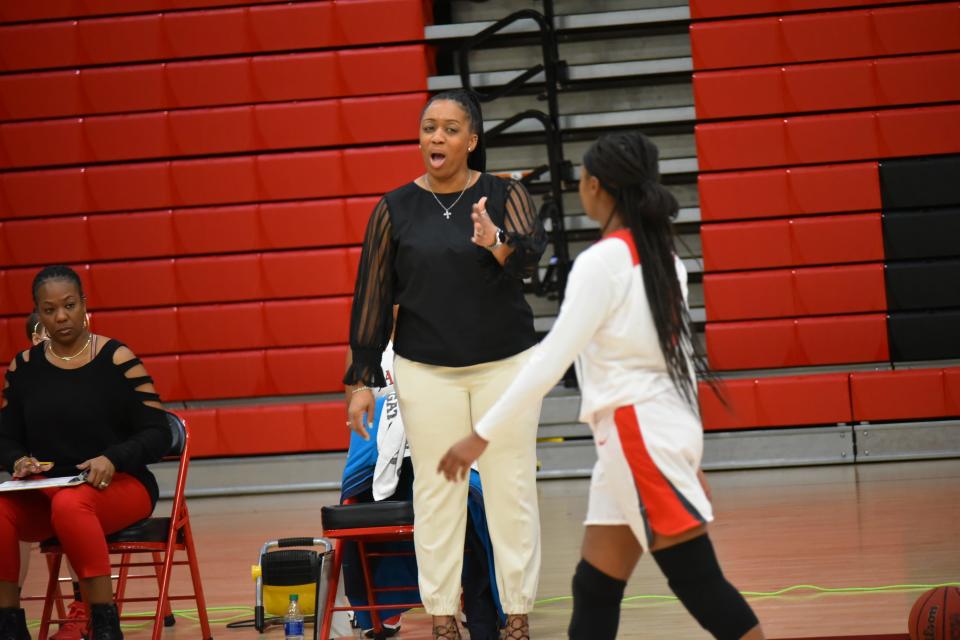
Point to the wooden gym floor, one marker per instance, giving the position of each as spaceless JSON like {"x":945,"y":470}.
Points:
{"x":868,"y":526}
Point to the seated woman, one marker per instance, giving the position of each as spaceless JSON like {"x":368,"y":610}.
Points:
{"x":83,"y":402}
{"x":77,"y":614}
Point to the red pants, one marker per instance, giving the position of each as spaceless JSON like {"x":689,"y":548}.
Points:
{"x":80,"y":517}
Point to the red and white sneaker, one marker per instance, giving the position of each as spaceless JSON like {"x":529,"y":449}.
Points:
{"x":77,"y":626}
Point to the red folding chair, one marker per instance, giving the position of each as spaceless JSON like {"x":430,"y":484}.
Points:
{"x":161,"y":538}
{"x":363,"y":524}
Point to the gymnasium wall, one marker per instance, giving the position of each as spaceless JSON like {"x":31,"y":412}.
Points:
{"x":828,"y":140}
{"x":208,"y":167}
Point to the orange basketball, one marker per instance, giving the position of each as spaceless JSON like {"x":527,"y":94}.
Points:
{"x":936,"y":615}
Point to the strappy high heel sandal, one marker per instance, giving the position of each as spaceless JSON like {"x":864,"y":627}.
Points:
{"x":518,"y":627}
{"x":446,"y":630}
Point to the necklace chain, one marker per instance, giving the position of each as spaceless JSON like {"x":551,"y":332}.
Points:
{"x":446,"y":210}
{"x":69,"y":358}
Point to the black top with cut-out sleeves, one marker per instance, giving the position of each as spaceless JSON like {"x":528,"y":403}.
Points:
{"x":458,"y":305}
{"x":67,"y":416}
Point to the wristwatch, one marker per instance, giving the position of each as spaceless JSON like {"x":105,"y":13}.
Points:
{"x":501,"y":239}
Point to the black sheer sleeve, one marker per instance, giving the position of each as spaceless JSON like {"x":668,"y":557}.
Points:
{"x":524,"y":231}
{"x":13,"y":436}
{"x":371,"y":320}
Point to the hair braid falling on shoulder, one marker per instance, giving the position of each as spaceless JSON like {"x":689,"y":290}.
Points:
{"x":626,"y":164}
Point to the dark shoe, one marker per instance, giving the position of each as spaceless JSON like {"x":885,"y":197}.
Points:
{"x":518,"y":627}
{"x":389,"y":630}
{"x":13,"y":624}
{"x":105,"y":622}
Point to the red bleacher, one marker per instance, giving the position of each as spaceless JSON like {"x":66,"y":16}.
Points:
{"x":704,"y":9}
{"x":179,"y":183}
{"x":820,"y":399}
{"x":868,"y":83}
{"x":214,"y":82}
{"x":206,"y":33}
{"x":906,"y":394}
{"x":773,"y":193}
{"x":232,"y":275}
{"x":777,"y":401}
{"x":797,"y":342}
{"x":194,"y":132}
{"x":181,"y":232}
{"x":217,"y":327}
{"x":811,"y":240}
{"x":208,"y":167}
{"x":787,"y":293}
{"x":267,"y":429}
{"x":829,"y":35}
{"x":222,"y":327}
{"x":55,"y":9}
{"x":828,"y":138}
{"x":199,"y":280}
{"x":826,"y":86}
{"x":248,"y":374}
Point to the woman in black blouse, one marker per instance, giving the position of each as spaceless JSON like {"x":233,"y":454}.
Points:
{"x":76,"y":402}
{"x":451,"y":249}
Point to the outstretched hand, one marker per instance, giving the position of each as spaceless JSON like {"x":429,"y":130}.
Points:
{"x":455,"y":463}
{"x":484,"y":231}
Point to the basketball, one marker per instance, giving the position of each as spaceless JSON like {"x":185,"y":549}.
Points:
{"x":936,"y":615}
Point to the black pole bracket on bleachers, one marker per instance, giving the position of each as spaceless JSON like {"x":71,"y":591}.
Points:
{"x":554,"y":280}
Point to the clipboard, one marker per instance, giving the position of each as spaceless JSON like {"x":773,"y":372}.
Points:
{"x":43,"y":483}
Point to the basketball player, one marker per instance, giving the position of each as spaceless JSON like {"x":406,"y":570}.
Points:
{"x":624,"y":321}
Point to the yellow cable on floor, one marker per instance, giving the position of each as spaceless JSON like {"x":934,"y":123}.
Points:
{"x":191,"y":614}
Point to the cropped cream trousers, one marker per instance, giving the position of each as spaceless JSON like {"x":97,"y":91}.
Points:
{"x":439,"y":406}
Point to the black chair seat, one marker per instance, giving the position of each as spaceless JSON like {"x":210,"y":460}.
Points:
{"x":368,"y":514}
{"x":146,"y":530}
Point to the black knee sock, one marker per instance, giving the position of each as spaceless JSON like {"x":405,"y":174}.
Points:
{"x":694,"y":575}
{"x":596,"y":604}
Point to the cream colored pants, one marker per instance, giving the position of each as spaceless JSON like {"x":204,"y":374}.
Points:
{"x":439,"y":406}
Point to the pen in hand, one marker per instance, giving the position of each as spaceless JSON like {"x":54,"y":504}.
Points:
{"x":28,"y":466}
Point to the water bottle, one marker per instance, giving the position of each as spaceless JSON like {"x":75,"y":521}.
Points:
{"x":293,"y":622}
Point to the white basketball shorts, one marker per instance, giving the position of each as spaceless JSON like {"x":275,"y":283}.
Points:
{"x":648,"y":455}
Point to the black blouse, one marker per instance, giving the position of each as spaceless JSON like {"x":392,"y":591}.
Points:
{"x":458,"y":305}
{"x":68,"y":416}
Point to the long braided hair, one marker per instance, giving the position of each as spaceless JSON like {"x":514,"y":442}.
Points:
{"x":626,"y":164}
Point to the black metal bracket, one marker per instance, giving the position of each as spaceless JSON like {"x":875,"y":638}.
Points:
{"x":554,"y":281}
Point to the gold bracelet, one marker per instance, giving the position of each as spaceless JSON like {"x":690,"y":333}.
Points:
{"x":359,"y":389}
